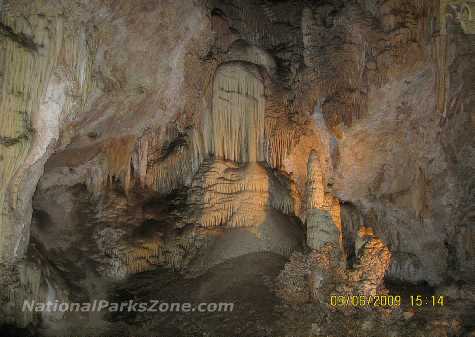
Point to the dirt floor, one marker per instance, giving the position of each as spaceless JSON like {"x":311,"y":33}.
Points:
{"x":247,"y":281}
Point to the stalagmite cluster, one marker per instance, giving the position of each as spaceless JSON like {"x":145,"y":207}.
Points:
{"x":323,"y":271}
{"x":367,"y":275}
{"x":313,"y":277}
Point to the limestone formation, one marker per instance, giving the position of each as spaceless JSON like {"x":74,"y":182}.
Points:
{"x":321,"y":274}
{"x":236,"y":126}
{"x":262,"y":152}
{"x":322,"y":215}
{"x":226,"y":194}
{"x":34,"y":103}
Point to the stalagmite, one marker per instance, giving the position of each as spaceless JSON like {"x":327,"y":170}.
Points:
{"x":313,"y":277}
{"x":322,"y":214}
{"x":367,"y":276}
{"x":315,"y":193}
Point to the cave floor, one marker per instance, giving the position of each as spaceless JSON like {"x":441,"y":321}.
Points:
{"x":247,"y":282}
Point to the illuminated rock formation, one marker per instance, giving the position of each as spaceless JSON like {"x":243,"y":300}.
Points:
{"x":34,"y":103}
{"x":322,"y":215}
{"x":367,"y":276}
{"x":322,"y":272}
{"x":175,"y":137}
{"x":24,"y":84}
{"x":232,"y":196}
{"x":235,"y":128}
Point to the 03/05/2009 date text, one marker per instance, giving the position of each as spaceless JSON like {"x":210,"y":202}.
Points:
{"x":386,"y":300}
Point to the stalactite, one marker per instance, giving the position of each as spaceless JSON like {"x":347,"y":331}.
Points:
{"x":236,"y":123}
{"x":440,"y":54}
{"x":171,"y":173}
{"x":139,"y":160}
{"x":165,"y":172}
{"x":118,"y":153}
{"x":280,"y":137}
{"x":30,"y":279}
